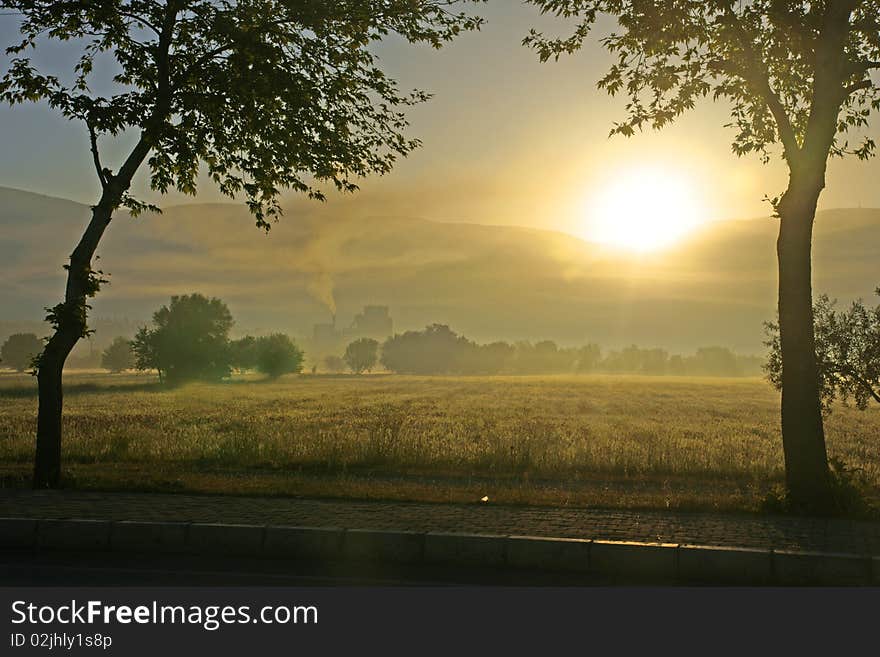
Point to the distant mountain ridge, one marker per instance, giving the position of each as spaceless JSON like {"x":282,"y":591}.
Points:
{"x":488,"y":282}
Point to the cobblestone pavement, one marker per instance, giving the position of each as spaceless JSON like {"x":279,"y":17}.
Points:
{"x":810,"y":534}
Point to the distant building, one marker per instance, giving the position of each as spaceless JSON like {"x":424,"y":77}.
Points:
{"x":373,"y":322}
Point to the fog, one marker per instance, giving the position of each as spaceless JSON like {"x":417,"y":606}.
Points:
{"x":715,"y":287}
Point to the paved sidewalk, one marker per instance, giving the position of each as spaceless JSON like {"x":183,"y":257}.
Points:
{"x":805,"y":534}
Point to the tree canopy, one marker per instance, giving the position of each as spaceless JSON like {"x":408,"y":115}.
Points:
{"x":361,"y":355}
{"x":764,"y":57}
{"x":189,"y":340}
{"x":19,"y":350}
{"x":276,"y":355}
{"x":264,"y":95}
{"x":243,"y":353}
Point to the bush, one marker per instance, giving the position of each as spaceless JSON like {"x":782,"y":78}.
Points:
{"x":847,"y":353}
{"x":277,"y":355}
{"x":243,"y":353}
{"x":850,"y":492}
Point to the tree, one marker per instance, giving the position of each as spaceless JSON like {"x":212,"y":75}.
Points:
{"x":847,"y":353}
{"x":715,"y":361}
{"x":189,"y":341}
{"x":490,"y":358}
{"x":278,"y":355}
{"x":361,"y":355}
{"x":435,"y":350}
{"x":334,"y":364}
{"x":19,"y":350}
{"x":588,"y":358}
{"x":796,"y":74}
{"x":243,"y":353}
{"x":263,"y":96}
{"x":118,"y":356}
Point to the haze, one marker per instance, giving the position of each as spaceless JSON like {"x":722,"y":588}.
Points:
{"x":507,"y":141}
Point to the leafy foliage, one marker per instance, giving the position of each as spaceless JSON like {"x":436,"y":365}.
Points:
{"x":243,"y":353}
{"x":361,"y":355}
{"x":19,"y":350}
{"x":189,"y":341}
{"x":436,"y":350}
{"x":765,"y":57}
{"x":264,"y":95}
{"x":276,"y":355}
{"x":847,"y":352}
{"x":119,"y":356}
{"x":439,"y":350}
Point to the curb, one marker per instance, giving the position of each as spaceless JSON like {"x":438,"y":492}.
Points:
{"x":661,"y":562}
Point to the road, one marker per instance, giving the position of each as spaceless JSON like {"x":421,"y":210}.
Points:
{"x":20,"y":568}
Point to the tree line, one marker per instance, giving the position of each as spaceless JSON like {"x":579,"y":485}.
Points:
{"x":189,"y":340}
{"x":439,"y":350}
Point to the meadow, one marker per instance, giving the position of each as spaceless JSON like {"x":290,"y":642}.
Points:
{"x":609,"y":441}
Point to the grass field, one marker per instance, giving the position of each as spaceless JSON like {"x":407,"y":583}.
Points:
{"x":634,"y":442}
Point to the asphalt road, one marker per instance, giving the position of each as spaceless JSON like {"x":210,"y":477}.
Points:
{"x":19,"y":568}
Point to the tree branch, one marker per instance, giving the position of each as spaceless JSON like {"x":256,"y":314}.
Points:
{"x":204,"y":59}
{"x":756,"y":74}
{"x":96,"y":157}
{"x":863,"y":66}
{"x":858,"y":86}
{"x":866,"y":385}
{"x":133,"y":161}
{"x":142,"y":20}
{"x":830,"y":73}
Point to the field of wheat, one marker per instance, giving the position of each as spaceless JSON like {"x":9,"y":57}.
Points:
{"x":591,"y":440}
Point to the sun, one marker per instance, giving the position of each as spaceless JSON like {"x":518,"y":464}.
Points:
{"x":644,"y":210}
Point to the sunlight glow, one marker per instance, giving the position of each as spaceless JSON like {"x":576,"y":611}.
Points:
{"x":644,"y":210}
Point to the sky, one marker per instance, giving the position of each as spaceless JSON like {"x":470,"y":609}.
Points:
{"x":506,"y":140}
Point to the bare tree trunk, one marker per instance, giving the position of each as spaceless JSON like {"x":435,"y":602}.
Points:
{"x":803,"y":437}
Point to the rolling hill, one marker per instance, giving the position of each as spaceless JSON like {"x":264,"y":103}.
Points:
{"x":488,"y":282}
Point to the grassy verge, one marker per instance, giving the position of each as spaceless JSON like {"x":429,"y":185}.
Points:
{"x":616,"y":442}
{"x":641,"y":494}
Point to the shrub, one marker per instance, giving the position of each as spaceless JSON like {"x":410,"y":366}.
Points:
{"x":277,"y":354}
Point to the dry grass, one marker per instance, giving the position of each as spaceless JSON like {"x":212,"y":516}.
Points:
{"x":592,"y":440}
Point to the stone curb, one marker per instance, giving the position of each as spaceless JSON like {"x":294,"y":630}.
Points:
{"x":661,"y":562}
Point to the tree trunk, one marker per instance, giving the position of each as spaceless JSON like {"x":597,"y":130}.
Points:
{"x":806,"y":461}
{"x":47,"y":463}
{"x":69,"y":319}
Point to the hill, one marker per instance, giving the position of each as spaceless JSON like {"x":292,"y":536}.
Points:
{"x":488,"y":282}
